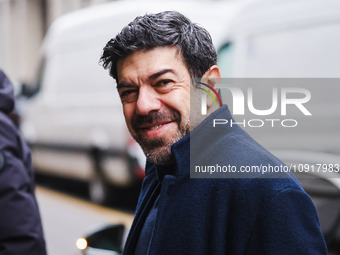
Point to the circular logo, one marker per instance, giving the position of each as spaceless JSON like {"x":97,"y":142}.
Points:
{"x":2,"y":160}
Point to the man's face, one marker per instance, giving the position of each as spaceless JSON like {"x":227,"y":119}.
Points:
{"x":154,"y":87}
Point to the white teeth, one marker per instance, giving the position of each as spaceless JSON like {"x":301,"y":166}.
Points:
{"x":155,"y":127}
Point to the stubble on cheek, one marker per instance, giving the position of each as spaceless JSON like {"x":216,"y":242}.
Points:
{"x":158,"y":150}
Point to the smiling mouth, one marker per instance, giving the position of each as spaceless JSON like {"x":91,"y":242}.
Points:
{"x":154,"y":126}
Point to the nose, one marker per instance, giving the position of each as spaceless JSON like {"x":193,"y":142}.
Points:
{"x":148,"y":100}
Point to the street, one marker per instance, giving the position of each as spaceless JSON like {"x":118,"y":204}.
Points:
{"x":66,"y":218}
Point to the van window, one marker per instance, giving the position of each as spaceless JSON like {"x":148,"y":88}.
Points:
{"x":301,"y":51}
{"x":225,"y":59}
{"x":80,"y":73}
{"x":79,"y":79}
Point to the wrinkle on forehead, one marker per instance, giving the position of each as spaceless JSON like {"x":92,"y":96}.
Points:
{"x":136,"y":67}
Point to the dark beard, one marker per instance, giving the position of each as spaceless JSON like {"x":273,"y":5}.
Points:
{"x":157,"y":150}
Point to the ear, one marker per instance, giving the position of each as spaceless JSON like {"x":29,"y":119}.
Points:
{"x":211,"y":76}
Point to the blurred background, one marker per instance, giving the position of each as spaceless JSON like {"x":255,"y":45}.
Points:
{"x":89,"y":170}
{"x":23,"y":25}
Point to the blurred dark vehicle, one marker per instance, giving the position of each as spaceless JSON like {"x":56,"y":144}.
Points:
{"x":325,"y":193}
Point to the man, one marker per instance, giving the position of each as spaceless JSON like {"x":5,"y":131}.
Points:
{"x":20,"y":224}
{"x":154,"y":60}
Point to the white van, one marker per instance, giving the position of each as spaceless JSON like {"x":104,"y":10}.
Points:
{"x":74,"y":122}
{"x":287,"y":42}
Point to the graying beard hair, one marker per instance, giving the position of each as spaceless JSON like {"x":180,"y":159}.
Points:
{"x":162,"y":155}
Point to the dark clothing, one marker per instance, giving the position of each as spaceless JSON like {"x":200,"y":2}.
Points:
{"x":146,"y":233}
{"x":226,"y":215}
{"x":20,"y":224}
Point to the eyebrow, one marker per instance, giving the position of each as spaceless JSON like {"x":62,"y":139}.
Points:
{"x":124,"y":84}
{"x":161,"y":72}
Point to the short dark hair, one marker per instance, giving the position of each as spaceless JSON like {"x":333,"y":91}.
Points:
{"x":164,"y":29}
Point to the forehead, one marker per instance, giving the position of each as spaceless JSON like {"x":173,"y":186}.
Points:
{"x":142,"y":64}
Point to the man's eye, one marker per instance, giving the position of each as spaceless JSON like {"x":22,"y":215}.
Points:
{"x":164,"y":86}
{"x":127,"y":93}
{"x":164,"y":82}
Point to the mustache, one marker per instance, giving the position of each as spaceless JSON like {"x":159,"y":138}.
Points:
{"x":155,"y":117}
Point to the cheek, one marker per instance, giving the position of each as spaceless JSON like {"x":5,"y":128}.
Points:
{"x":185,"y":105}
{"x":128,"y":111}
{"x":181,"y":101}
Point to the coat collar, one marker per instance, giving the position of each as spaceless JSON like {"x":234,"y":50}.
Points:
{"x":191,"y":147}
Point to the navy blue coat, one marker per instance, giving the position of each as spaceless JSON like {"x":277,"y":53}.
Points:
{"x":20,"y":224}
{"x":217,"y":216}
